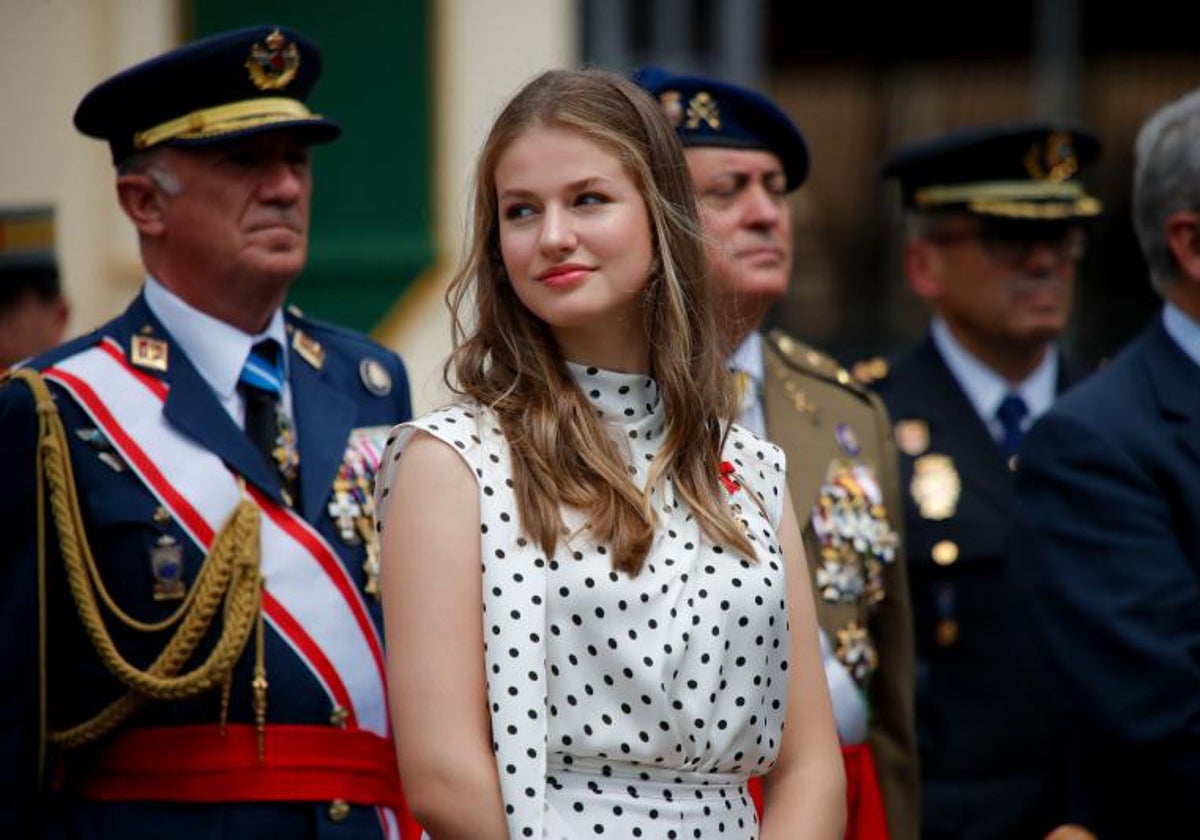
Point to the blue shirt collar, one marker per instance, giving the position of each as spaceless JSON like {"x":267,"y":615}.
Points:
{"x":1184,"y":331}
{"x":217,"y":349}
{"x":985,"y":388}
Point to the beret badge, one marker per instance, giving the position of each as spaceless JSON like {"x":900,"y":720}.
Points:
{"x":703,"y":108}
{"x":672,"y":106}
{"x":273,"y":62}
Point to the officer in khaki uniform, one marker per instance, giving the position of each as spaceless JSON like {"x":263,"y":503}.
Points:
{"x":995,"y":221}
{"x":745,"y":157}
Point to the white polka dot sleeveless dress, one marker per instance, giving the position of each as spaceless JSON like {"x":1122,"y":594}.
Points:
{"x":628,"y":707}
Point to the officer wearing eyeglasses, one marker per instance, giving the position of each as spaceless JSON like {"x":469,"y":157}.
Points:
{"x":995,"y":228}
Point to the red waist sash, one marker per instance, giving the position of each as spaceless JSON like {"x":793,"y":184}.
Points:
{"x":865,"y":816}
{"x":202,"y":764}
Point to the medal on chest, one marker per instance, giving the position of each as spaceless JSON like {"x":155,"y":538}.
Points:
{"x":352,"y":505}
{"x":856,"y":540}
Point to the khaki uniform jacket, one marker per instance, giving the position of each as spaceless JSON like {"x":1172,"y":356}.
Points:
{"x":838,"y":441}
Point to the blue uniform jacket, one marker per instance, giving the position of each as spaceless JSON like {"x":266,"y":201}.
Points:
{"x":991,"y":756}
{"x":329,"y":399}
{"x":1109,"y":512}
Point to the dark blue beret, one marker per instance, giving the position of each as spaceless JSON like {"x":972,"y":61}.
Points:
{"x":229,"y":85}
{"x":1018,"y":171}
{"x":707,"y":112}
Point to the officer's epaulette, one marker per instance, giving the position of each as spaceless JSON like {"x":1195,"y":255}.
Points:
{"x":870,"y":371}
{"x":811,"y":361}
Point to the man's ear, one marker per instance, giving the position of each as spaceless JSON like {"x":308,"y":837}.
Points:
{"x":922,"y":267}
{"x":143,"y":202}
{"x":1183,"y":238}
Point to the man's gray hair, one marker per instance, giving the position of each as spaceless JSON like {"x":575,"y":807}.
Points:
{"x":152,"y":164}
{"x":1166,"y":180}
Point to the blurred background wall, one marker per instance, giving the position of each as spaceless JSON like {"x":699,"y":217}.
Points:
{"x":416,"y":83}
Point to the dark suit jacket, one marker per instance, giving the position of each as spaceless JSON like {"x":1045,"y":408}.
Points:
{"x":1109,"y":512}
{"x":991,"y":764}
{"x":123,"y":525}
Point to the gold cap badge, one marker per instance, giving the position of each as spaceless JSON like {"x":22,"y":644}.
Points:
{"x":1052,"y":161}
{"x":273,"y":62}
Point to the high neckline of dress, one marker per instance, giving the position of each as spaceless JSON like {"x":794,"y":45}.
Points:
{"x":623,"y":398}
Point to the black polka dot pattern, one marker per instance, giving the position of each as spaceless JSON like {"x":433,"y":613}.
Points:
{"x":629,"y":707}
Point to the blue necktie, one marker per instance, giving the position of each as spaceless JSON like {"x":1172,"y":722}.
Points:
{"x":1011,"y":412}
{"x":261,"y":383}
{"x":264,"y":368}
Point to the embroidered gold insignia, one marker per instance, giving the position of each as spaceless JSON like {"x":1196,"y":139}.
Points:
{"x":273,"y":63}
{"x":935,"y":486}
{"x":702,"y":108}
{"x":309,"y":349}
{"x":149,"y":353}
{"x":1054,"y":161}
{"x":870,"y":370}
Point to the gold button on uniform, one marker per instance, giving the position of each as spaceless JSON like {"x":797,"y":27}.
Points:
{"x":338,"y":716}
{"x":945,"y":553}
{"x":339,"y":809}
{"x":946,"y":632}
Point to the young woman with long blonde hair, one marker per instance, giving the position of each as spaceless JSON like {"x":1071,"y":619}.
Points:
{"x":597,"y":612}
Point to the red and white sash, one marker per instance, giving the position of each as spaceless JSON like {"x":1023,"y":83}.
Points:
{"x":309,"y":598}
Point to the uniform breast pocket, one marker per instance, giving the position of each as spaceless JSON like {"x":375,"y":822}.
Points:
{"x":146,"y":563}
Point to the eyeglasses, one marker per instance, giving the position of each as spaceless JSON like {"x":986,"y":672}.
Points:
{"x":1013,"y":245}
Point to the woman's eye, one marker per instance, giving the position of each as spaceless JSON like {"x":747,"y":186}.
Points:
{"x":518,"y":211}
{"x":591,"y":198}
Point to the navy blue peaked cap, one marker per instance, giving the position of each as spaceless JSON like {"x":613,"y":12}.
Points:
{"x":230,"y":85}
{"x":1016,"y":171}
{"x":708,"y":112}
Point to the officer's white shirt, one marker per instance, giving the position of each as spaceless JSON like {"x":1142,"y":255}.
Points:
{"x":748,"y":359}
{"x":216,"y":349}
{"x":1183,"y":330}
{"x":985,"y":388}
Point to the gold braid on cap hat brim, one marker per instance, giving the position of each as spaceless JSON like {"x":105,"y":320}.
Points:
{"x":224,"y":119}
{"x":1013,"y":199}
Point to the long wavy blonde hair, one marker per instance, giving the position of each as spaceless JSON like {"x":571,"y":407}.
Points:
{"x":508,"y":358}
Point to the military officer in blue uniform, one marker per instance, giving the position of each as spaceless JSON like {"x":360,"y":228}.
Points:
{"x":1108,"y":512}
{"x":746,"y":157}
{"x":189,"y":581}
{"x":995,"y":222}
